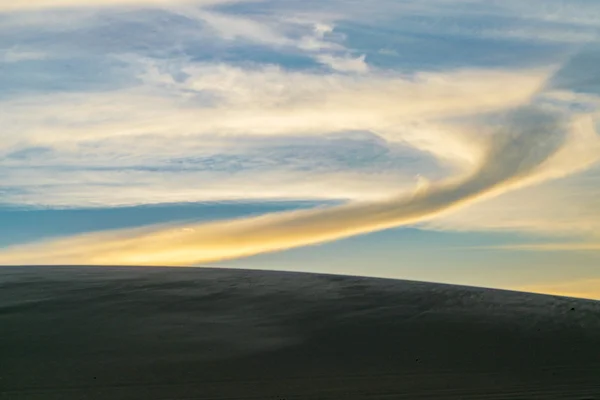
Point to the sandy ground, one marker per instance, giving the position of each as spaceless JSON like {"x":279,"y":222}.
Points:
{"x":149,"y":334}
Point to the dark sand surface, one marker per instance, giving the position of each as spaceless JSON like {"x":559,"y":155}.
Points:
{"x":144,"y":333}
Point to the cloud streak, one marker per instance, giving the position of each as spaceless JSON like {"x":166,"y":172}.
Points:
{"x":529,"y":148}
{"x":228,"y":111}
{"x":38,"y":5}
{"x":180,"y":107}
{"x":15,"y":55}
{"x":553,"y":247}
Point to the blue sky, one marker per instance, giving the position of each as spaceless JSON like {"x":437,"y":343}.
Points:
{"x":440,"y":140}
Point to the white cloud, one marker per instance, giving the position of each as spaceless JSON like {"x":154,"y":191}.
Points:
{"x":16,"y":55}
{"x":345,"y":63}
{"x":567,"y":208}
{"x":37,"y":5}
{"x":166,"y":119}
{"x":67,"y":189}
{"x":182,"y":109}
{"x":321,"y":29}
{"x":512,"y":159}
{"x":560,"y":246}
{"x":308,"y":34}
{"x":276,"y":31}
{"x":239,"y":27}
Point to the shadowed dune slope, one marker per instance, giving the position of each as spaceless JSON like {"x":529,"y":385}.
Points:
{"x":168,"y":333}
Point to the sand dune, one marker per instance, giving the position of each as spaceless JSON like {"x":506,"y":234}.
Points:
{"x":139,"y":333}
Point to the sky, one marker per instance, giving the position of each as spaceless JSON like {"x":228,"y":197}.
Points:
{"x":453,"y":141}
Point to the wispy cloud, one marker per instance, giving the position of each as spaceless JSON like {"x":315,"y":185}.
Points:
{"x":202,"y":104}
{"x":220,"y":109}
{"x":553,"y":247}
{"x":36,"y":5}
{"x":305,"y":35}
{"x":345,"y":63}
{"x":239,"y":27}
{"x":302,"y":34}
{"x":560,"y":210}
{"x":15,"y":54}
{"x":513,"y":158}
